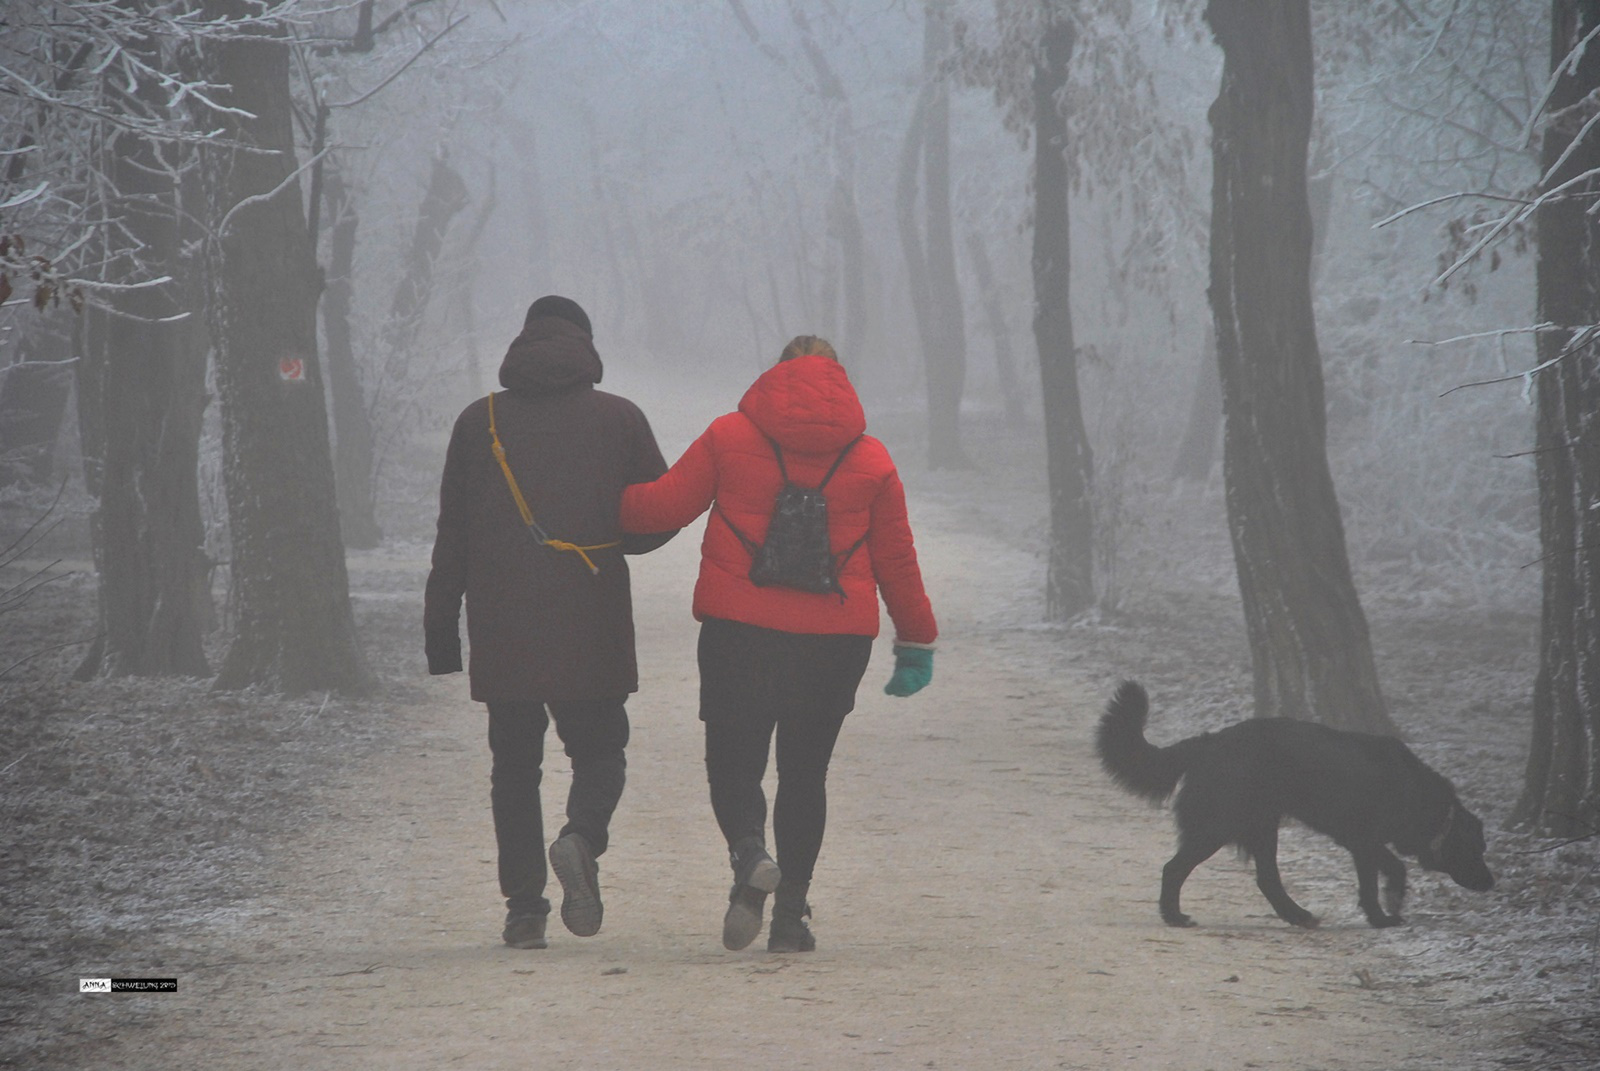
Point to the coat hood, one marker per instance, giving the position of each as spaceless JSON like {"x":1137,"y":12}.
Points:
{"x":805,"y":404}
{"x":551,"y":355}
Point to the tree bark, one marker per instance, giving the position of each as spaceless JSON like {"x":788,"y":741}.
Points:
{"x":1069,"y":576}
{"x":353,"y":458}
{"x":1309,"y":643}
{"x":295,"y":630}
{"x":1561,"y":790}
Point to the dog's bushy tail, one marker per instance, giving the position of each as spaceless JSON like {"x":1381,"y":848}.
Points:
{"x":1132,"y":761}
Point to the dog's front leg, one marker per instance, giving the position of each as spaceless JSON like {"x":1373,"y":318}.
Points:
{"x":1369,"y":860}
{"x":1394,"y":882}
{"x":1262,"y":846}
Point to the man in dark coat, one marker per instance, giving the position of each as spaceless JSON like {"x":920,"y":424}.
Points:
{"x":533,"y":543}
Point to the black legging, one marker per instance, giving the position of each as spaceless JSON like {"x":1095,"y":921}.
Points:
{"x":754,"y":681}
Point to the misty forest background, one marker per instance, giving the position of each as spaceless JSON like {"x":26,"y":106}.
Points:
{"x":1332,"y":267}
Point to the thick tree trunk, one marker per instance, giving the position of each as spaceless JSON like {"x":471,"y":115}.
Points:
{"x":295,"y":630}
{"x":1069,"y":577}
{"x":1005,"y":361}
{"x":946,"y":350}
{"x":1561,"y":793}
{"x":1308,"y":636}
{"x":352,"y":427}
{"x":143,"y":371}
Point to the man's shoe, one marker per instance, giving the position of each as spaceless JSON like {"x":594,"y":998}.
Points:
{"x":524,"y":931}
{"x":575,"y":869}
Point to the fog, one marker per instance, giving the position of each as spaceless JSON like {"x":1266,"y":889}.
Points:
{"x":674,"y":176}
{"x":252,"y":271}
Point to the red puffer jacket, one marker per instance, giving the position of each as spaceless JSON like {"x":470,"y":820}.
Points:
{"x":809,"y":408}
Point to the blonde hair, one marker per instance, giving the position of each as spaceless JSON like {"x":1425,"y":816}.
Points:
{"x":805,"y":346}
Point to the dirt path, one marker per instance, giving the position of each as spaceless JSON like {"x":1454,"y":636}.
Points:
{"x":985,"y":899}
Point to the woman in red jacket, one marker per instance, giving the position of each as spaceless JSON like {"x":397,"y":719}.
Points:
{"x":778,"y":658}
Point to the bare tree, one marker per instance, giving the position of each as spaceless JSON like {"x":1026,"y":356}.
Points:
{"x":295,"y":628}
{"x":1069,"y":579}
{"x":930,"y":249}
{"x":110,"y":142}
{"x":142,"y":387}
{"x":1309,"y":644}
{"x":843,"y":214}
{"x":1561,"y":794}
{"x":354,"y":450}
{"x":1005,"y":360}
{"x":1072,"y":80}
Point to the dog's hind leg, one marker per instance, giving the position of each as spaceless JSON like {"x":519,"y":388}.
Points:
{"x":1262,"y":846}
{"x":1191,"y":853}
{"x":1370,"y":859}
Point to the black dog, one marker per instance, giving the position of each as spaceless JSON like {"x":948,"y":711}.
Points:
{"x":1364,"y":791}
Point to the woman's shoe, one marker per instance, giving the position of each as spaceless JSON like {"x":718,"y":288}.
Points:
{"x":789,"y":932}
{"x":754,"y":876}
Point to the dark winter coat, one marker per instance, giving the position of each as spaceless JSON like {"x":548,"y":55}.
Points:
{"x":541,"y":626}
{"x":809,"y":408}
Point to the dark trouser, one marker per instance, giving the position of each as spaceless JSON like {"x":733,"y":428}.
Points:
{"x":594,"y":733}
{"x":754,"y":681}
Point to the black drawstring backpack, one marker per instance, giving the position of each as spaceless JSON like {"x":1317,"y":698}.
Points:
{"x":796,"y":552}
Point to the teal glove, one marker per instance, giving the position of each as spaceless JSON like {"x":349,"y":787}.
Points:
{"x":913,"y":669}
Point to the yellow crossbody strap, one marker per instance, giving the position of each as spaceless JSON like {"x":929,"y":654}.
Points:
{"x":538,"y":533}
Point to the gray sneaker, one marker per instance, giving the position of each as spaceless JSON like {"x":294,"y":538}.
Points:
{"x":575,"y":869}
{"x":524,"y":931}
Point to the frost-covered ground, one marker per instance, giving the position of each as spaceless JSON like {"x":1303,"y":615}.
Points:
{"x":135,"y":816}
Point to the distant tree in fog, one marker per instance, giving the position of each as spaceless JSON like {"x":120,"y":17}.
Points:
{"x":929,"y":248}
{"x":1071,"y":80}
{"x":843,"y":214}
{"x":1310,"y":648}
{"x":1069,"y":579}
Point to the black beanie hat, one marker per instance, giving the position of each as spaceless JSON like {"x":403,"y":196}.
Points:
{"x":562,"y":309}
